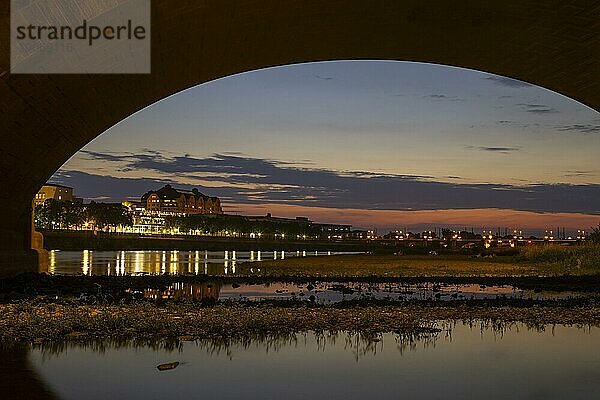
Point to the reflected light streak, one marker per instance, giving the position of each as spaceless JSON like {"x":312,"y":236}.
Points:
{"x":156,"y":264}
{"x":52,"y":261}
{"x":85,"y":262}
{"x":91,"y":262}
{"x":139,"y":262}
{"x":122,"y":263}
{"x":173,"y":262}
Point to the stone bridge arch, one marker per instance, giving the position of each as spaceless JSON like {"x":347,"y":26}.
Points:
{"x":45,"y":119}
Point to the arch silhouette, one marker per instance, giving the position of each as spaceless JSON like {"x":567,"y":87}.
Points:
{"x":47,"y":118}
{"x":18,"y":378}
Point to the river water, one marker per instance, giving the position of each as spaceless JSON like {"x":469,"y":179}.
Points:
{"x":226,"y":263}
{"x":156,"y":262}
{"x":459,"y":362}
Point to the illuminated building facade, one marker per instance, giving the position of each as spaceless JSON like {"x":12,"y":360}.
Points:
{"x":169,"y":200}
{"x":56,"y":192}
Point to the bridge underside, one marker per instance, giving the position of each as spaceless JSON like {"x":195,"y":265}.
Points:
{"x":45,"y":119}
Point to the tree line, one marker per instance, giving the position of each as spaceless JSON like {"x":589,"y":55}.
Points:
{"x":595,"y":235}
{"x":53,"y":214}
{"x":241,"y":226}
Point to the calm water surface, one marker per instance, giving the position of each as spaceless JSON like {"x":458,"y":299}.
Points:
{"x":460,"y":362}
{"x":156,"y":262}
{"x":334,"y":292}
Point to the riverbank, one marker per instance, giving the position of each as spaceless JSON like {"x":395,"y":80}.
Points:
{"x":104,"y":241}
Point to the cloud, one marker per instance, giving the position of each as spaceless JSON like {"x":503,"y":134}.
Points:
{"x":543,"y":111}
{"x":538,"y":108}
{"x":323,"y":78}
{"x":440,"y":97}
{"x":508,"y":82}
{"x":494,"y":149}
{"x":581,"y":128}
{"x":99,"y":199}
{"x":578,"y":173}
{"x":518,"y":125}
{"x":243,"y":179}
{"x":108,"y":156}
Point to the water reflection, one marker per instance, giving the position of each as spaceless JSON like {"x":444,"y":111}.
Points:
{"x":334,"y":292}
{"x":185,"y":291}
{"x":357,"y":344}
{"x":457,"y":360}
{"x":88,"y":262}
{"x":52,"y":264}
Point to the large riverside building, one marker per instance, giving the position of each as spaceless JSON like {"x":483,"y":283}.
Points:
{"x":168,"y":200}
{"x":56,"y":192}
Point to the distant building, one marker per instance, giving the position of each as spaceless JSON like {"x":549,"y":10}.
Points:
{"x":176,"y":201}
{"x":330,"y":231}
{"x":333,"y":231}
{"x":358,"y":234}
{"x":56,"y":192}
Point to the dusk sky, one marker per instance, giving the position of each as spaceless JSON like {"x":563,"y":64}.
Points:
{"x":374,"y":144}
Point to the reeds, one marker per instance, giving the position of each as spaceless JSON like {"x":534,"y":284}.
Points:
{"x":34,"y":322}
{"x":574,"y":260}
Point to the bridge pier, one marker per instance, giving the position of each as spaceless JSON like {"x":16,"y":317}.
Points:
{"x":21,"y":247}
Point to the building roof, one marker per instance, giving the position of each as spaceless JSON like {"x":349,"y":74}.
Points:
{"x":169,"y":192}
{"x":57,"y":186}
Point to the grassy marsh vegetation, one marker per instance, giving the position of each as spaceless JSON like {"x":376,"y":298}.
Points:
{"x":385,"y":266}
{"x":543,"y":260}
{"x":33,"y":321}
{"x":574,"y":260}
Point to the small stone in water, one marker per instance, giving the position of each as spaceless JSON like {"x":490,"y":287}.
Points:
{"x":168,"y":366}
